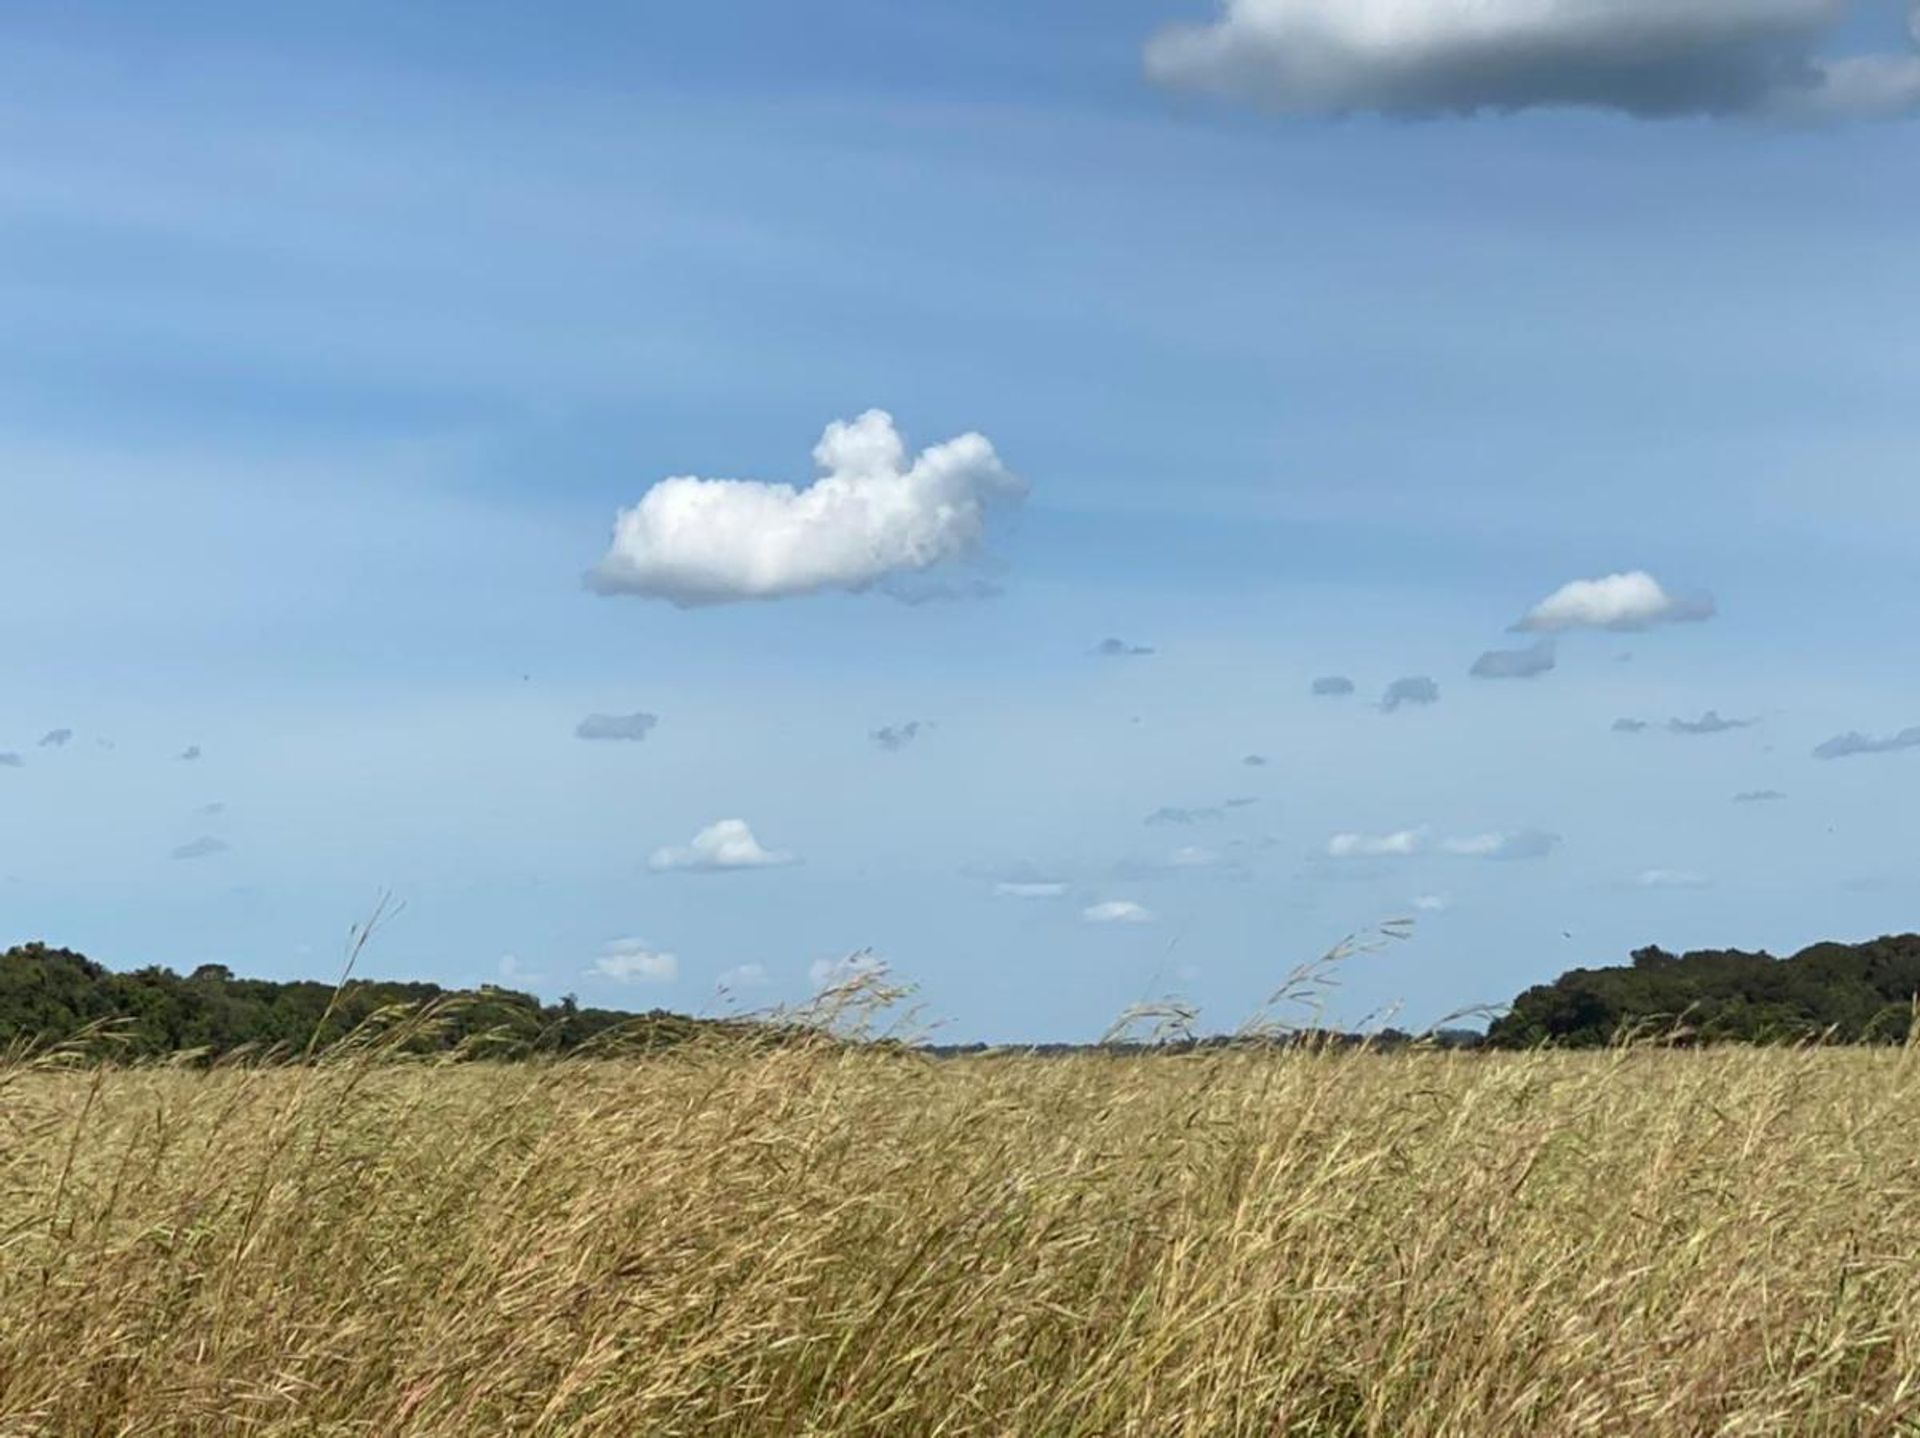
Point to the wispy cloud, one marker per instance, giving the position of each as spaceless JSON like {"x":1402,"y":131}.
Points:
{"x":1117,"y":911}
{"x":726,"y":845}
{"x":870,"y":515}
{"x":743,"y":977}
{"x":1504,"y":845}
{"x":1846,"y":746}
{"x":1758,"y":796}
{"x":630,"y":728}
{"x":56,"y":738}
{"x":1176,"y":814}
{"x":189,"y":754}
{"x":1629,"y":726}
{"x":1671,"y":879}
{"x":1399,"y":844}
{"x":11,"y":760}
{"x":1710,"y":722}
{"x":203,"y":847}
{"x":1121,"y":649}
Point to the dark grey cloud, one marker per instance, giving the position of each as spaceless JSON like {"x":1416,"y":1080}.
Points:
{"x":56,"y":738}
{"x":1758,"y":796}
{"x":1175,"y":815}
{"x":1708,"y":723}
{"x":1528,"y":663}
{"x":1845,"y":746}
{"x":1629,"y":726}
{"x":200,"y":848}
{"x":1652,"y":59}
{"x":1414,"y":689}
{"x":630,"y":728}
{"x":1120,"y":649}
{"x":895,"y":737}
{"x":1332,"y":686}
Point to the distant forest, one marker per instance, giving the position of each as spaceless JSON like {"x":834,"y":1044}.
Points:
{"x":49,"y":995}
{"x":1854,"y":993}
{"x":1849,"y":993}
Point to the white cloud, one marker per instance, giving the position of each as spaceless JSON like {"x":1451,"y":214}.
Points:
{"x":631,"y":960}
{"x":1634,"y":600}
{"x":1400,"y":844}
{"x":1504,"y":845}
{"x":1011,"y":889}
{"x":745,"y":976}
{"x":1117,"y":911}
{"x":1192,"y":856}
{"x":1649,"y":58}
{"x":516,"y":972}
{"x":1433,"y":903}
{"x":1670,"y":879}
{"x":727,"y":844}
{"x":870,"y":515}
{"x":839,"y":973}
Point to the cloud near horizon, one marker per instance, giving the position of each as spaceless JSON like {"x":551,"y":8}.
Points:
{"x":724,"y":845}
{"x":870,"y":516}
{"x":1651,"y":59}
{"x":635,"y":960}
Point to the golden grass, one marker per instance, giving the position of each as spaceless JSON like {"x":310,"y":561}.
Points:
{"x":821,"y":1240}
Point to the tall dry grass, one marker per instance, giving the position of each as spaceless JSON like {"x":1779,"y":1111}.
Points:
{"x":824,"y":1240}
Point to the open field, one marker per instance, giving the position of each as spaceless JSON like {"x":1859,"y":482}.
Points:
{"x":818,"y":1240}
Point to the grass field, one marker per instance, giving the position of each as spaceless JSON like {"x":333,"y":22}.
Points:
{"x":823,"y":1240}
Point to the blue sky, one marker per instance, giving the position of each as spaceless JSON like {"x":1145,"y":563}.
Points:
{"x":336,"y":341}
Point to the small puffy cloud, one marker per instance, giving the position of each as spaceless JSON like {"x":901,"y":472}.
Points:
{"x":1634,"y":600}
{"x":1846,"y":746}
{"x":895,"y":737}
{"x":1710,"y":722}
{"x":1400,"y":844}
{"x":1433,"y":903}
{"x":1652,"y":59}
{"x":1536,"y":659}
{"x":636,"y":961}
{"x":200,"y":848}
{"x":1414,"y":689}
{"x":1670,"y":879}
{"x":1036,"y":889}
{"x":727,"y":844}
{"x":630,"y":728}
{"x":1120,"y":649}
{"x":56,"y":738}
{"x":189,"y":754}
{"x":1505,"y":845}
{"x":1332,"y":686}
{"x":840,"y":973}
{"x":1629,"y":726}
{"x":10,"y":760}
{"x":871,"y":515}
{"x":1117,"y":911}
{"x":1176,"y":814}
{"x":1758,"y":796}
{"x":744,"y":976}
